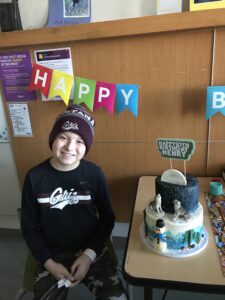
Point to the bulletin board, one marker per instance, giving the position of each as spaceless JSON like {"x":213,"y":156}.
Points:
{"x":170,"y":58}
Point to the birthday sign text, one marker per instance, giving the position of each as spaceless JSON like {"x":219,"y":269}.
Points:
{"x":176,"y":148}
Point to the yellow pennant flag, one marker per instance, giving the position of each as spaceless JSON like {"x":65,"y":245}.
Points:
{"x":61,"y":85}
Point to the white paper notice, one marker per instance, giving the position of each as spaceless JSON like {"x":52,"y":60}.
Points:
{"x":56,"y":59}
{"x":20,"y":119}
{"x":4,"y":134}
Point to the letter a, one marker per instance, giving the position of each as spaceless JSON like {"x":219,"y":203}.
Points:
{"x":60,"y":85}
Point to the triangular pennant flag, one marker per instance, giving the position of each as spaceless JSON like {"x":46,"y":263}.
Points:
{"x":84,"y":91}
{"x":61,"y":85}
{"x":40,"y":79}
{"x":215,"y":100}
{"x":105,"y":94}
{"x":127,"y":98}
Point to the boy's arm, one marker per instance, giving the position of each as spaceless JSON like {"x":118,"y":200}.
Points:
{"x":106,"y":216}
{"x":30,"y":223}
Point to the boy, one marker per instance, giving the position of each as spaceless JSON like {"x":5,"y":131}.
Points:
{"x":66,"y":215}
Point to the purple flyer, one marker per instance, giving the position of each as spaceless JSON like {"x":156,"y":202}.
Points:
{"x":15,"y":73}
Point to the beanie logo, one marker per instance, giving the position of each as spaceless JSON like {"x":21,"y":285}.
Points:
{"x":70,"y":125}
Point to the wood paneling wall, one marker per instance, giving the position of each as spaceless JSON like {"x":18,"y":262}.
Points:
{"x":173,"y":58}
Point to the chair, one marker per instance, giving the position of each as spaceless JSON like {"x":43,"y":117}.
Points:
{"x":28,"y":277}
{"x":30,"y":267}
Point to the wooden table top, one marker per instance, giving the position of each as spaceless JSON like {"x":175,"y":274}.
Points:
{"x":142,"y":266}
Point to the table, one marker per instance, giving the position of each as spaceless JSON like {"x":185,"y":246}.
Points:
{"x":143,"y":267}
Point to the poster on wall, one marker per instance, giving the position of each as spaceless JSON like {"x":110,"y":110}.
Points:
{"x":20,"y":119}
{"x":15,"y":73}
{"x":206,"y":4}
{"x":56,"y":59}
{"x":67,"y":12}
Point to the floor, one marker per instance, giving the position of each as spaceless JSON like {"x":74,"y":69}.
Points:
{"x":13,"y":254}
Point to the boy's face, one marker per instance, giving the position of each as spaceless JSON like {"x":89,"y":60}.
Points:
{"x":68,"y":149}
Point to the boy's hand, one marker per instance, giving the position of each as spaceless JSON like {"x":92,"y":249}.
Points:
{"x":57,"y":270}
{"x":80,"y":268}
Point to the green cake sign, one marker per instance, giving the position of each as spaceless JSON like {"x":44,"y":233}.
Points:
{"x":176,"y":148}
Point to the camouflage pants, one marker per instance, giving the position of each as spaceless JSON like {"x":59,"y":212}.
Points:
{"x":101,"y":279}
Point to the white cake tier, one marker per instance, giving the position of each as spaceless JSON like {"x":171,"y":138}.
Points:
{"x":180,"y":225}
{"x":176,"y":253}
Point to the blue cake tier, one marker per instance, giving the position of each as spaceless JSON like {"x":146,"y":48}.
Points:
{"x":188,"y":195}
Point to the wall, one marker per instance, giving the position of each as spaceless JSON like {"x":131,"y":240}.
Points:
{"x":9,"y":187}
{"x":172,"y":58}
{"x":34,"y":14}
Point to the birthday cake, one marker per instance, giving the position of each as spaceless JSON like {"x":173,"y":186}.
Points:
{"x":173,"y":219}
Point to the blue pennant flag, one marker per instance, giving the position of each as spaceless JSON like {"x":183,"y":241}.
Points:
{"x":127,"y":98}
{"x":215,"y":100}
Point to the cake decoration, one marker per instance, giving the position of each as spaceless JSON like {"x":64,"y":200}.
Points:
{"x":174,"y":176}
{"x":179,"y":211}
{"x":171,"y":148}
{"x":173,"y":218}
{"x":156,"y":205}
{"x":159,"y":240}
{"x":176,"y":148}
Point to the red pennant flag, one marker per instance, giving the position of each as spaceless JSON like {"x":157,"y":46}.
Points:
{"x":40,"y":79}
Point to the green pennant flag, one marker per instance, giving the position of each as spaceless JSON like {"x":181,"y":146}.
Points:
{"x":84,"y":91}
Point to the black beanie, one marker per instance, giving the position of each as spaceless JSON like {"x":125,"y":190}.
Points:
{"x":77,"y":120}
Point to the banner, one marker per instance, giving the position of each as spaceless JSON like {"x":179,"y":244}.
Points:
{"x":215,"y":101}
{"x":127,"y":98}
{"x":105,"y":94}
{"x":94,"y":94}
{"x":61,"y":85}
{"x":40,"y":79}
{"x":84,"y":91}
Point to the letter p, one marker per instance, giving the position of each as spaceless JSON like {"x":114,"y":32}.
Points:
{"x":84,"y":89}
{"x":103,"y":93}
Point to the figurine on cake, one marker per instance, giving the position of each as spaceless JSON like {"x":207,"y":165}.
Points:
{"x":159,"y":241}
{"x":173,"y":220}
{"x":179,"y":211}
{"x":156,"y":206}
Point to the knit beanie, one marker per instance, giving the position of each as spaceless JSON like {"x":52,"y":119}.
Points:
{"x":77,"y":120}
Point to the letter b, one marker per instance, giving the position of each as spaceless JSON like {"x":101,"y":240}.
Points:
{"x":218,"y":100}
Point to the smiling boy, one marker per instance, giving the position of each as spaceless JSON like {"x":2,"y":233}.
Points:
{"x":66,"y":215}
